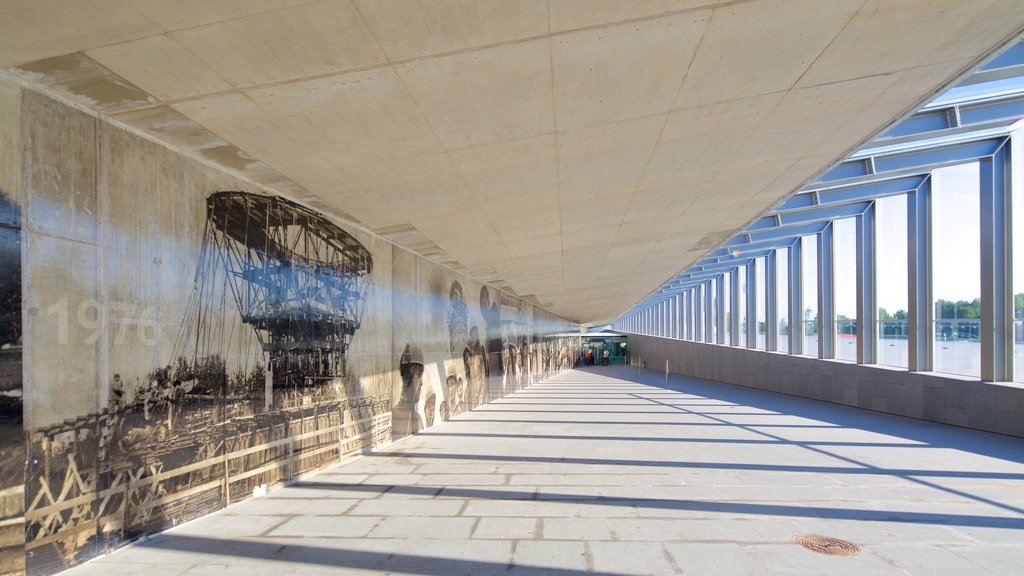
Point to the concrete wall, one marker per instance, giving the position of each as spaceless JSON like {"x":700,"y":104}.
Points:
{"x":954,"y":400}
{"x":147,"y":398}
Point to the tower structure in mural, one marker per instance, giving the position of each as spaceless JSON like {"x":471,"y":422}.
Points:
{"x":298,"y":280}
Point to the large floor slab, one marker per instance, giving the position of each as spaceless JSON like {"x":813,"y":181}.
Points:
{"x":607,"y":470}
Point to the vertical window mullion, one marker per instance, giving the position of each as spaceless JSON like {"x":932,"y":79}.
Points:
{"x":826,"y":294}
{"x":919,"y":309}
{"x":996,"y":268}
{"x":867,"y":309}
{"x":751,"y":305}
{"x":770,"y":320}
{"x":720,"y":320}
{"x":796,"y":304}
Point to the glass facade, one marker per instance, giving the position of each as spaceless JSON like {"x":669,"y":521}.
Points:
{"x":809,"y":295}
{"x":845,"y":288}
{"x":956,"y":269}
{"x":782,"y":299}
{"x":1017,"y":251}
{"x":740,"y":338}
{"x":760,"y":314}
{"x":727,"y":305}
{"x":909,"y":247}
{"x":713,"y":297}
{"x":891,"y":280}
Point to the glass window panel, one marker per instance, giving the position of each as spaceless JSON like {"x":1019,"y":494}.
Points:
{"x":782,"y":298}
{"x":956,"y":269}
{"x":727,"y":304}
{"x":698,"y":313}
{"x":891,"y":279}
{"x":741,"y":305}
{"x":760,"y":313}
{"x":845,"y":285}
{"x":1018,"y":281}
{"x":714,"y":310}
{"x":809,"y":294}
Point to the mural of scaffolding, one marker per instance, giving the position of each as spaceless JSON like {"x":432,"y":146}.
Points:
{"x":298,"y":281}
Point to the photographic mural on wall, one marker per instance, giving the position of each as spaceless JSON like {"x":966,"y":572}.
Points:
{"x":257,"y":383}
{"x":12,"y":438}
{"x":256,"y":390}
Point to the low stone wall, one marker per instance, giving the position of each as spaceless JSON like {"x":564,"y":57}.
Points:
{"x":947,"y":399}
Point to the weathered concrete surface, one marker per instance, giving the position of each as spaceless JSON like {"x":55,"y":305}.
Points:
{"x":61,"y":270}
{"x":954,"y":400}
{"x":10,"y":142}
{"x":609,"y":471}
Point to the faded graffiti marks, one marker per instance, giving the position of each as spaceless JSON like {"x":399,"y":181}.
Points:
{"x":12,"y":435}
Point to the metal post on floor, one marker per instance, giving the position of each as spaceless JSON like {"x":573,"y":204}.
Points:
{"x":666,"y":372}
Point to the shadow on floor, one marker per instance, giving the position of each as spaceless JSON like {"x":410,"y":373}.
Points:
{"x":350,"y":559}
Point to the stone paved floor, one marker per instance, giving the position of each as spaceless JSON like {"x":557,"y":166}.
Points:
{"x":605,"y":471}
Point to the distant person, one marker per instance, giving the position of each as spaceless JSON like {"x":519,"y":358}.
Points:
{"x":604,"y":358}
{"x":590,"y":357}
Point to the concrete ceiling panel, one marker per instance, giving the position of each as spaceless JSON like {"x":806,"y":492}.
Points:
{"x":463,"y":234}
{"x":890,"y":35}
{"x":522,"y":171}
{"x":624,"y":71}
{"x":36,"y":29}
{"x":353,"y":119}
{"x":415,"y":28}
{"x":180,"y":14}
{"x":571,"y":14}
{"x":422,"y":187}
{"x":522,"y":221}
{"x":485,"y":96}
{"x":645,"y":231}
{"x":525,"y":251}
{"x":745,"y":39}
{"x":807,"y":117}
{"x":606,"y":156}
{"x":178,"y":72}
{"x":306,"y":40}
{"x":976,"y":35}
{"x":586,"y":239}
{"x":654,"y":201}
{"x":601,"y":211}
{"x":241,"y":122}
{"x":696,"y":158}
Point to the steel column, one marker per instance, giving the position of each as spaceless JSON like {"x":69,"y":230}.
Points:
{"x":919,"y":283}
{"x":720,"y":317}
{"x":997,"y":265}
{"x":826,"y":294}
{"x":752,"y":305}
{"x":771,"y":328}
{"x":867,"y":308}
{"x":734,"y":306}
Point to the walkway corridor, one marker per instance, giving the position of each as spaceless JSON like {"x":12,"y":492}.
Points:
{"x":609,"y":471}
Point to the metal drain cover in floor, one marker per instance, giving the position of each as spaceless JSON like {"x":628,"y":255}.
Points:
{"x":826,"y":545}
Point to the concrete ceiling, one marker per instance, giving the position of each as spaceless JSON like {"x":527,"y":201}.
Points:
{"x":576,"y":152}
